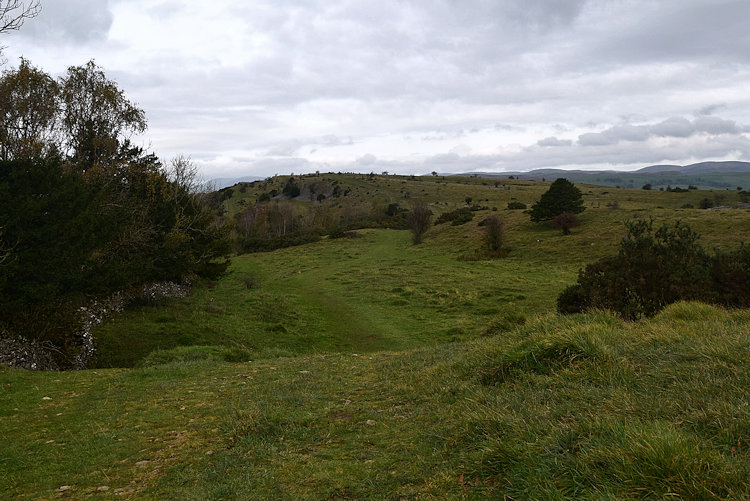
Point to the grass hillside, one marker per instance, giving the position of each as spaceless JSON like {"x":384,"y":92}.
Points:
{"x":370,"y":368}
{"x":585,"y":406}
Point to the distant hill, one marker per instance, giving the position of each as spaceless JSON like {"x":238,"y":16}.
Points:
{"x":223,"y":182}
{"x":704,"y":175}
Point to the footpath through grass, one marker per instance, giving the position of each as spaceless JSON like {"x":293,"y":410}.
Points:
{"x":377,"y":292}
{"x":578,"y":407}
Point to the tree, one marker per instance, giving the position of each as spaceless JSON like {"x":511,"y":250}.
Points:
{"x":13,"y":13}
{"x":494,"y":232}
{"x":565,"y":222}
{"x":96,"y":115}
{"x":419,"y":221}
{"x":29,"y":111}
{"x":561,"y":197}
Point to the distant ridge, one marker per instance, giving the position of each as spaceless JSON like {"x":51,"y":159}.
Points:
{"x":704,"y":175}
{"x":698,"y":168}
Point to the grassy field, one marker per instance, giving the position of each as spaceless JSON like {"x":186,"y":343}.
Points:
{"x":369,"y":368}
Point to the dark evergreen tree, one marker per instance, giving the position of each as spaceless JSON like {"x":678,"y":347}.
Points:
{"x":561,"y":197}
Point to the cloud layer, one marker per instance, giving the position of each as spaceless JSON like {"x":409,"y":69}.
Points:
{"x":412,"y":86}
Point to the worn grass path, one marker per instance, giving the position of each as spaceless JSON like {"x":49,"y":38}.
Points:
{"x":376,"y":292}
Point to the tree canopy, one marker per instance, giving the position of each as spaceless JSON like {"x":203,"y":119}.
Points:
{"x":561,"y":197}
{"x":84,"y":213}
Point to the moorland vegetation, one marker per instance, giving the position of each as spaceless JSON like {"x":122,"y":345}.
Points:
{"x":335,"y":343}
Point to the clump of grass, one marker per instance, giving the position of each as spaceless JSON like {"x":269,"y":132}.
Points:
{"x":182,"y":354}
{"x":541,"y":351}
{"x":504,"y":323}
{"x":251,"y":281}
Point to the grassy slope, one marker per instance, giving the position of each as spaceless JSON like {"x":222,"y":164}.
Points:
{"x":563,"y":407}
{"x":395,"y":390}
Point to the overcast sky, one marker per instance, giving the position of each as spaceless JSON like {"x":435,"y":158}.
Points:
{"x":261,"y":87}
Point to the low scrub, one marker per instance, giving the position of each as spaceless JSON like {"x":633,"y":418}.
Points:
{"x":655,"y":268}
{"x":456,"y":217}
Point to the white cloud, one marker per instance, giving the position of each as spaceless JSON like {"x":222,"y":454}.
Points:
{"x":368,"y":159}
{"x":258,"y":87}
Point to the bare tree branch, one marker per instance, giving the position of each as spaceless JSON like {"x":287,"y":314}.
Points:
{"x":13,"y":13}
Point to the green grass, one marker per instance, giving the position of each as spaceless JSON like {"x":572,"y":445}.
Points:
{"x":582,"y":407}
{"x":369,"y":368}
{"x":367,"y":294}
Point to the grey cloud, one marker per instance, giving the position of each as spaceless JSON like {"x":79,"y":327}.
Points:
{"x":443,"y":158}
{"x":554,"y":142}
{"x":614,"y":135}
{"x":333,"y":140}
{"x":287,"y":149}
{"x":710,"y":109}
{"x":673,"y":127}
{"x":73,"y":22}
{"x":716,"y":125}
{"x":595,"y":139}
{"x":674,"y":30}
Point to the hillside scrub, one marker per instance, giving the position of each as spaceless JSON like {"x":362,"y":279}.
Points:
{"x":655,"y":268}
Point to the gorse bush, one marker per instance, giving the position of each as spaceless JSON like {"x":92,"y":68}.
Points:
{"x":655,"y":268}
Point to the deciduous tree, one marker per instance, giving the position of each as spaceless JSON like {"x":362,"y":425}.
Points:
{"x":419,"y":221}
{"x":29,"y":111}
{"x":96,"y":115}
{"x":565,"y":222}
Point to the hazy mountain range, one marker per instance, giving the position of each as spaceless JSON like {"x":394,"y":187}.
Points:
{"x":699,"y":168}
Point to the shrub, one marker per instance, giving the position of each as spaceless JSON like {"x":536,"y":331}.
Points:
{"x":516,"y":205}
{"x":566,"y":221}
{"x":419,"y":221}
{"x":706,"y":203}
{"x":654,"y":269}
{"x":650,"y":271}
{"x":494,"y":232}
{"x":456,"y":217}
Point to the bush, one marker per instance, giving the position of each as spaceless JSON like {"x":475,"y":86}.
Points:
{"x":456,"y":217}
{"x":516,"y":205}
{"x":566,"y":221}
{"x":494,"y":233}
{"x":650,"y":271}
{"x":419,"y":221}
{"x":655,"y":268}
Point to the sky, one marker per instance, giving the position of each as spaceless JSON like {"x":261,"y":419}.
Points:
{"x":264,"y":87}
